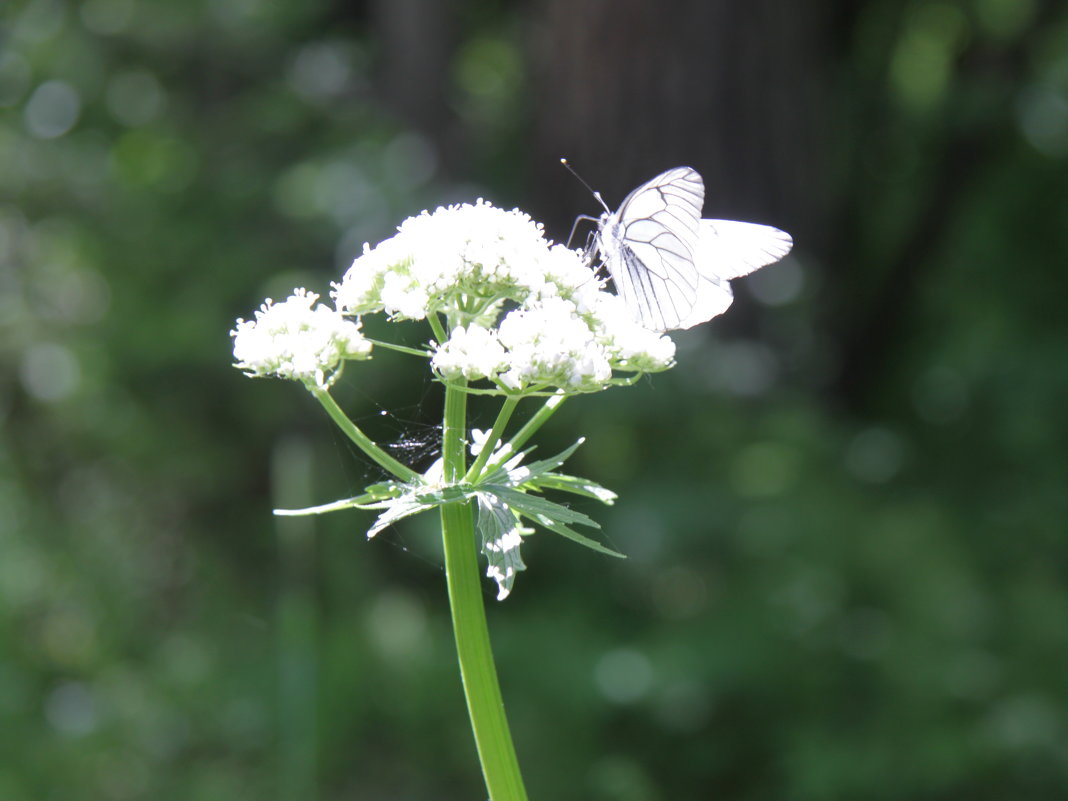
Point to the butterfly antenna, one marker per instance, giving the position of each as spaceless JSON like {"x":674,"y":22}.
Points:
{"x":582,"y":181}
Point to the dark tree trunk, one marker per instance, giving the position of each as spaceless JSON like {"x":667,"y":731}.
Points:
{"x":627,"y":88}
{"x":417,"y":40}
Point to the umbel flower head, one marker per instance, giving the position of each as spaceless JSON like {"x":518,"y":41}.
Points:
{"x":522,"y":313}
{"x":298,"y":339}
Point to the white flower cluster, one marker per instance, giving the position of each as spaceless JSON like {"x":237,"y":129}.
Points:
{"x":523,"y":313}
{"x":464,"y":256}
{"x":298,"y":339}
{"x":549,"y":343}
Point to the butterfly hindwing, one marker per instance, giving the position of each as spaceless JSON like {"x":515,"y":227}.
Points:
{"x":730,"y":249}
{"x":658,"y":304}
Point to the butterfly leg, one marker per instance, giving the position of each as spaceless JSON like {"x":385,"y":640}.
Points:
{"x":579,"y":219}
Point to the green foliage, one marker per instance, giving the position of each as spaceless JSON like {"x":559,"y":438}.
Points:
{"x":816,"y":605}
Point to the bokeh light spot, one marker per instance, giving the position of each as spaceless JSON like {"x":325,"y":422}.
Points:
{"x":321,"y":70}
{"x":147,"y":159}
{"x":683,"y":706}
{"x":620,"y":778}
{"x":923,"y":60}
{"x":742,"y":368}
{"x":397,"y":625}
{"x":39,"y":21}
{"x":1042,"y":114}
{"x":777,"y":284}
{"x":49,"y":372}
{"x":764,"y":469}
{"x":52,"y":110}
{"x":409,"y":161}
{"x":71,"y":709}
{"x":875,"y":455}
{"x":940,"y":395}
{"x":1004,"y":19}
{"x":679,"y":591}
{"x":107,"y":17}
{"x":624,"y":675}
{"x":14,"y":78}
{"x":489,"y":68}
{"x":135,"y":97}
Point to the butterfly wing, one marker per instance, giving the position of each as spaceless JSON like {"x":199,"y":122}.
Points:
{"x":648,"y":247}
{"x":728,"y":249}
{"x":713,"y":297}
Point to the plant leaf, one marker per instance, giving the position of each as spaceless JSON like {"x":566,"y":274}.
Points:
{"x":535,"y":506}
{"x":376,"y":496}
{"x":553,"y":516}
{"x":581,"y":539}
{"x":576,"y":485}
{"x":543,"y":466}
{"x":398,"y":509}
{"x":499,"y":473}
{"x":501,"y":537}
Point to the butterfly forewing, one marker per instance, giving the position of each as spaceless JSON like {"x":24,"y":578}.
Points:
{"x":659,"y":305}
{"x":655,"y":233}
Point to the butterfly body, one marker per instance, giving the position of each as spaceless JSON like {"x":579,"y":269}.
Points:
{"x":670,"y":267}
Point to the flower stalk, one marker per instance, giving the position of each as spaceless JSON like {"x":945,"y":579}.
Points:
{"x":362,"y":441}
{"x":478,"y":673}
{"x":540,"y":418}
{"x":492,"y":438}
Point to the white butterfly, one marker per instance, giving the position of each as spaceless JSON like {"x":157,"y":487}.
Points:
{"x":671,"y":267}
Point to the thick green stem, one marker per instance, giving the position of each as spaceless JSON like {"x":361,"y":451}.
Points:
{"x":500,"y":767}
{"x":453,"y":449}
{"x":365,"y":443}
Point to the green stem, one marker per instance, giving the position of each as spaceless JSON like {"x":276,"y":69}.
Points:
{"x":378,"y":343}
{"x":485,"y":706}
{"x":539,"y":419}
{"x":365,"y":443}
{"x":439,"y":331}
{"x":492,"y":438}
{"x":452,"y":436}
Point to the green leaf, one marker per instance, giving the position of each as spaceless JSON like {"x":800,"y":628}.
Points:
{"x":581,"y":539}
{"x":501,"y":537}
{"x":553,"y":516}
{"x":576,"y":485}
{"x":440,"y":495}
{"x":535,"y":505}
{"x":521,"y":474}
{"x":359,"y":502}
{"x":543,"y":466}
{"x":499,"y":474}
{"x":376,"y":496}
{"x":386,"y":489}
{"x":398,"y":509}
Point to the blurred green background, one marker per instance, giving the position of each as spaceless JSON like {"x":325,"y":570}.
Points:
{"x":844,"y":509}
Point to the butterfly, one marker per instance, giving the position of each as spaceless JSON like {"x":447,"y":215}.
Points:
{"x":670,"y":267}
